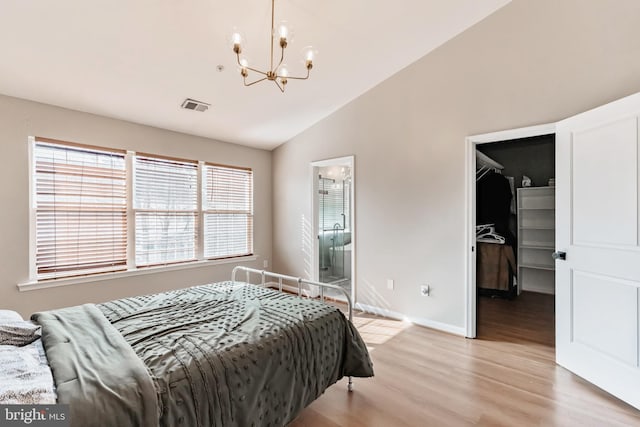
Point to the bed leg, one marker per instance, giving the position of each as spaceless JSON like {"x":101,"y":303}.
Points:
{"x":350,"y":385}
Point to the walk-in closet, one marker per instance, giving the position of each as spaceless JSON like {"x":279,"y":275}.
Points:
{"x":515,"y":230}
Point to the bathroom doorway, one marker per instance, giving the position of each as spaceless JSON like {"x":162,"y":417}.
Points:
{"x":333,"y":190}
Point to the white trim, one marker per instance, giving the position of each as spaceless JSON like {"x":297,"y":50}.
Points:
{"x":470,"y":295}
{"x":31,"y":286}
{"x":506,"y":135}
{"x":131,"y":214}
{"x":32,"y":209}
{"x":200,"y":198}
{"x":470,"y":240}
{"x":339,"y":161}
{"x":428,"y":323}
{"x":313,"y":257}
{"x":352,"y":223}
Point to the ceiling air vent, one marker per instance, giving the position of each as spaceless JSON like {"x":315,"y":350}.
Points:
{"x":192,"y":104}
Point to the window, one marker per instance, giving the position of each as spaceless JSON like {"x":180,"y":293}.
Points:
{"x":166,"y":208}
{"x":228,"y":212}
{"x":93,"y":215}
{"x":80,"y":210}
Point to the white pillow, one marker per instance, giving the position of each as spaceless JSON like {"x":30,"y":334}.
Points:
{"x":10,"y":316}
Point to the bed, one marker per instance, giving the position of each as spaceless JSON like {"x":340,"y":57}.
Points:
{"x":224,"y":354}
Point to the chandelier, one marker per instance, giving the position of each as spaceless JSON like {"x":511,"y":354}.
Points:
{"x":279,"y":74}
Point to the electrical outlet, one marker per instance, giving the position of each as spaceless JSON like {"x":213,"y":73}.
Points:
{"x":424,"y":290}
{"x":265,"y":263}
{"x":390,"y":284}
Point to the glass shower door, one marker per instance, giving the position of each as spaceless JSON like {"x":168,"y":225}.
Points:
{"x":332,"y":230}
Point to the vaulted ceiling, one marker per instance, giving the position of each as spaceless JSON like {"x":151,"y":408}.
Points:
{"x":138,"y":60}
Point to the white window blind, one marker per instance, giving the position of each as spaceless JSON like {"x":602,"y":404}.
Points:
{"x":228,"y":211}
{"x":80,"y":210}
{"x":166,"y":210}
{"x":98,"y":210}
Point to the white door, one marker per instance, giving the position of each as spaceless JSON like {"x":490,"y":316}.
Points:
{"x":597,"y":286}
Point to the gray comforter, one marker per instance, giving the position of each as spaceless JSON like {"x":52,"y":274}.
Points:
{"x":227,"y":354}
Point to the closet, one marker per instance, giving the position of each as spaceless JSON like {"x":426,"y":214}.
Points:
{"x":515,"y":216}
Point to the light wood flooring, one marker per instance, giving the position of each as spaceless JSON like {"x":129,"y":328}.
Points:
{"x":505,"y":377}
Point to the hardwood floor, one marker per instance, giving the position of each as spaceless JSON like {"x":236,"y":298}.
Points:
{"x":506,"y":377}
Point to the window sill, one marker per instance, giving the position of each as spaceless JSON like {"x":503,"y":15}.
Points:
{"x":54,"y":283}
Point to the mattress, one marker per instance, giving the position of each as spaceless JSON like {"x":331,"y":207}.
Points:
{"x":225,"y":354}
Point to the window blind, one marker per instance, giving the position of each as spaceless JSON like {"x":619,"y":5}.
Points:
{"x":166,"y":210}
{"x":228,"y":212}
{"x":80,"y":210}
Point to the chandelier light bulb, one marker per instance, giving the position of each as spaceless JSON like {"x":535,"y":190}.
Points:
{"x":283,"y":30}
{"x":244,"y":63}
{"x":283,"y":73}
{"x":309,"y":55}
{"x":284,"y":34}
{"x":236,"y":39}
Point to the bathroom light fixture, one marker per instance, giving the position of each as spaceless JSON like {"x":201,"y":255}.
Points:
{"x":278,"y":74}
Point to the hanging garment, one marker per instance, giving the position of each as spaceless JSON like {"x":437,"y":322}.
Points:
{"x":512,"y":186}
{"x":496,"y":267}
{"x":493,"y":202}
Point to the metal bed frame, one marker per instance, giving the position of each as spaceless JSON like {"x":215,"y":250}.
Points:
{"x":299,"y":281}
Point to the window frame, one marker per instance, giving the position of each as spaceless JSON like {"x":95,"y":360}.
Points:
{"x":195,"y":212}
{"x":205,"y":211}
{"x":132,"y":269}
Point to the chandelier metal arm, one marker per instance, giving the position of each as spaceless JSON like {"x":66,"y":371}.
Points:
{"x":252,"y":83}
{"x":300,"y":78}
{"x":281,"y":60}
{"x":249,"y":68}
{"x":279,"y":87}
{"x":257,"y":71}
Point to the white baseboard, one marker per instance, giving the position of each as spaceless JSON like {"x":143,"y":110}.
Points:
{"x":444,"y":327}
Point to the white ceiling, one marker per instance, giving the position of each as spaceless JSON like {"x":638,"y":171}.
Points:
{"x":138,"y":60}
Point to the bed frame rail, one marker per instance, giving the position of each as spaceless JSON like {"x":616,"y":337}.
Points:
{"x":299,"y":282}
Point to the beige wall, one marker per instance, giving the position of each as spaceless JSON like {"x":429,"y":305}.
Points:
{"x":531,"y":62}
{"x":20,"y":119}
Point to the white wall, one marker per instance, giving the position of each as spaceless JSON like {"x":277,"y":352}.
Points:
{"x":531,"y":62}
{"x":20,"y":119}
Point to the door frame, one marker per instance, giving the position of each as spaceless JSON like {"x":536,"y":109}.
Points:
{"x":338,"y":161}
{"x":470,"y":208}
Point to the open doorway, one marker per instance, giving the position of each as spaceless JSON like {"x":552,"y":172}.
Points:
{"x":334,"y":249}
{"x":511,"y":209}
{"x":515,"y":239}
